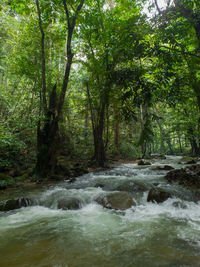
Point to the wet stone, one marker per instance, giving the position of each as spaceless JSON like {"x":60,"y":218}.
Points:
{"x":117,"y":201}
{"x":69,"y":204}
{"x":143,"y":163}
{"x":12,"y":204}
{"x":188,"y":177}
{"x":163,"y":168}
{"x":158,"y":195}
{"x":130,"y":186}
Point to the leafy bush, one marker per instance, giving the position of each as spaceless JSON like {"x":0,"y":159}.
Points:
{"x":127,"y":150}
{"x":10,"y":149}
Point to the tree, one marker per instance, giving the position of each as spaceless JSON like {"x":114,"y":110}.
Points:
{"x":48,"y":132}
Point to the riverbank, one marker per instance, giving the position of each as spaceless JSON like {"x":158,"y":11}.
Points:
{"x":14,"y":178}
{"x":68,"y":170}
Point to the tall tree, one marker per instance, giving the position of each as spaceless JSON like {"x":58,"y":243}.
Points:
{"x":48,"y":127}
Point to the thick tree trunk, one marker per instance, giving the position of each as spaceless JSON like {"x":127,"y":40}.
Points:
{"x":99,"y":148}
{"x":47,"y":149}
{"x":47,"y":139}
{"x":48,"y":132}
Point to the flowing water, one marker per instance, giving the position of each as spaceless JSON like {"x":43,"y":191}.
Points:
{"x":148,"y":234}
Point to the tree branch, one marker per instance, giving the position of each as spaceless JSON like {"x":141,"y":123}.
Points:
{"x":181,"y":52}
{"x":71,"y":26}
{"x":157,"y":7}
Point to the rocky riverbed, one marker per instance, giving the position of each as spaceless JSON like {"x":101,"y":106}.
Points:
{"x":131,"y":215}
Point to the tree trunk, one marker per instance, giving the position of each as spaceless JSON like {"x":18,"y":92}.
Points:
{"x":47,"y":149}
{"x":47,"y":133}
{"x":99,"y":148}
{"x":47,"y":139}
{"x":168,"y":140}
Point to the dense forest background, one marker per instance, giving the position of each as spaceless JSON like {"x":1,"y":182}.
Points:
{"x":97,"y":80}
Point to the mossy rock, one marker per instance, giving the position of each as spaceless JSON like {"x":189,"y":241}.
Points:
{"x":129,"y":186}
{"x":22,"y":177}
{"x":188,"y":160}
{"x":188,"y":177}
{"x":12,"y":204}
{"x":117,"y":201}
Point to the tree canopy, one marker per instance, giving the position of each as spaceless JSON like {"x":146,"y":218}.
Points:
{"x":98,"y":80}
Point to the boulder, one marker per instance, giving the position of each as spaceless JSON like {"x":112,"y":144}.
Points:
{"x":117,"y":201}
{"x":130,"y":186}
{"x":187,"y":160}
{"x":158,"y":195}
{"x":163,"y":168}
{"x":142,"y":162}
{"x":189,"y":177}
{"x":69,"y":204}
{"x":12,"y":204}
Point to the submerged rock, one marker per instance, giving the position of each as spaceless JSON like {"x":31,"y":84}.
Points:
{"x":117,"y":201}
{"x":130,"y":186}
{"x":99,"y":185}
{"x":179,"y":204}
{"x":163,"y":168}
{"x":12,"y":204}
{"x":142,"y":163}
{"x":69,"y":204}
{"x":158,"y":195}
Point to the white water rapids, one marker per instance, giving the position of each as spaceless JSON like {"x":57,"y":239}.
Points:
{"x":148,"y":234}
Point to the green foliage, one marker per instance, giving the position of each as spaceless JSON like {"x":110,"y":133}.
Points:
{"x":11,"y":148}
{"x":129,"y":150}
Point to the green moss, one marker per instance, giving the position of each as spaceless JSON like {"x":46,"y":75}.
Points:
{"x":7,"y":182}
{"x":22,"y":177}
{"x":4,"y":176}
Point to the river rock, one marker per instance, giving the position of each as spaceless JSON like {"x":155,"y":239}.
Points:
{"x":130,"y":186}
{"x":100,"y":185}
{"x":187,"y":160}
{"x":189,"y":177}
{"x":117,"y":201}
{"x":69,"y":204}
{"x":158,"y":195}
{"x":179,"y":204}
{"x":158,"y":156}
{"x":12,"y":204}
{"x":142,"y":162}
{"x":163,"y":168}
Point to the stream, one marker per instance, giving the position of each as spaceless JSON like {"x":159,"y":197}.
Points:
{"x":148,"y":234}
